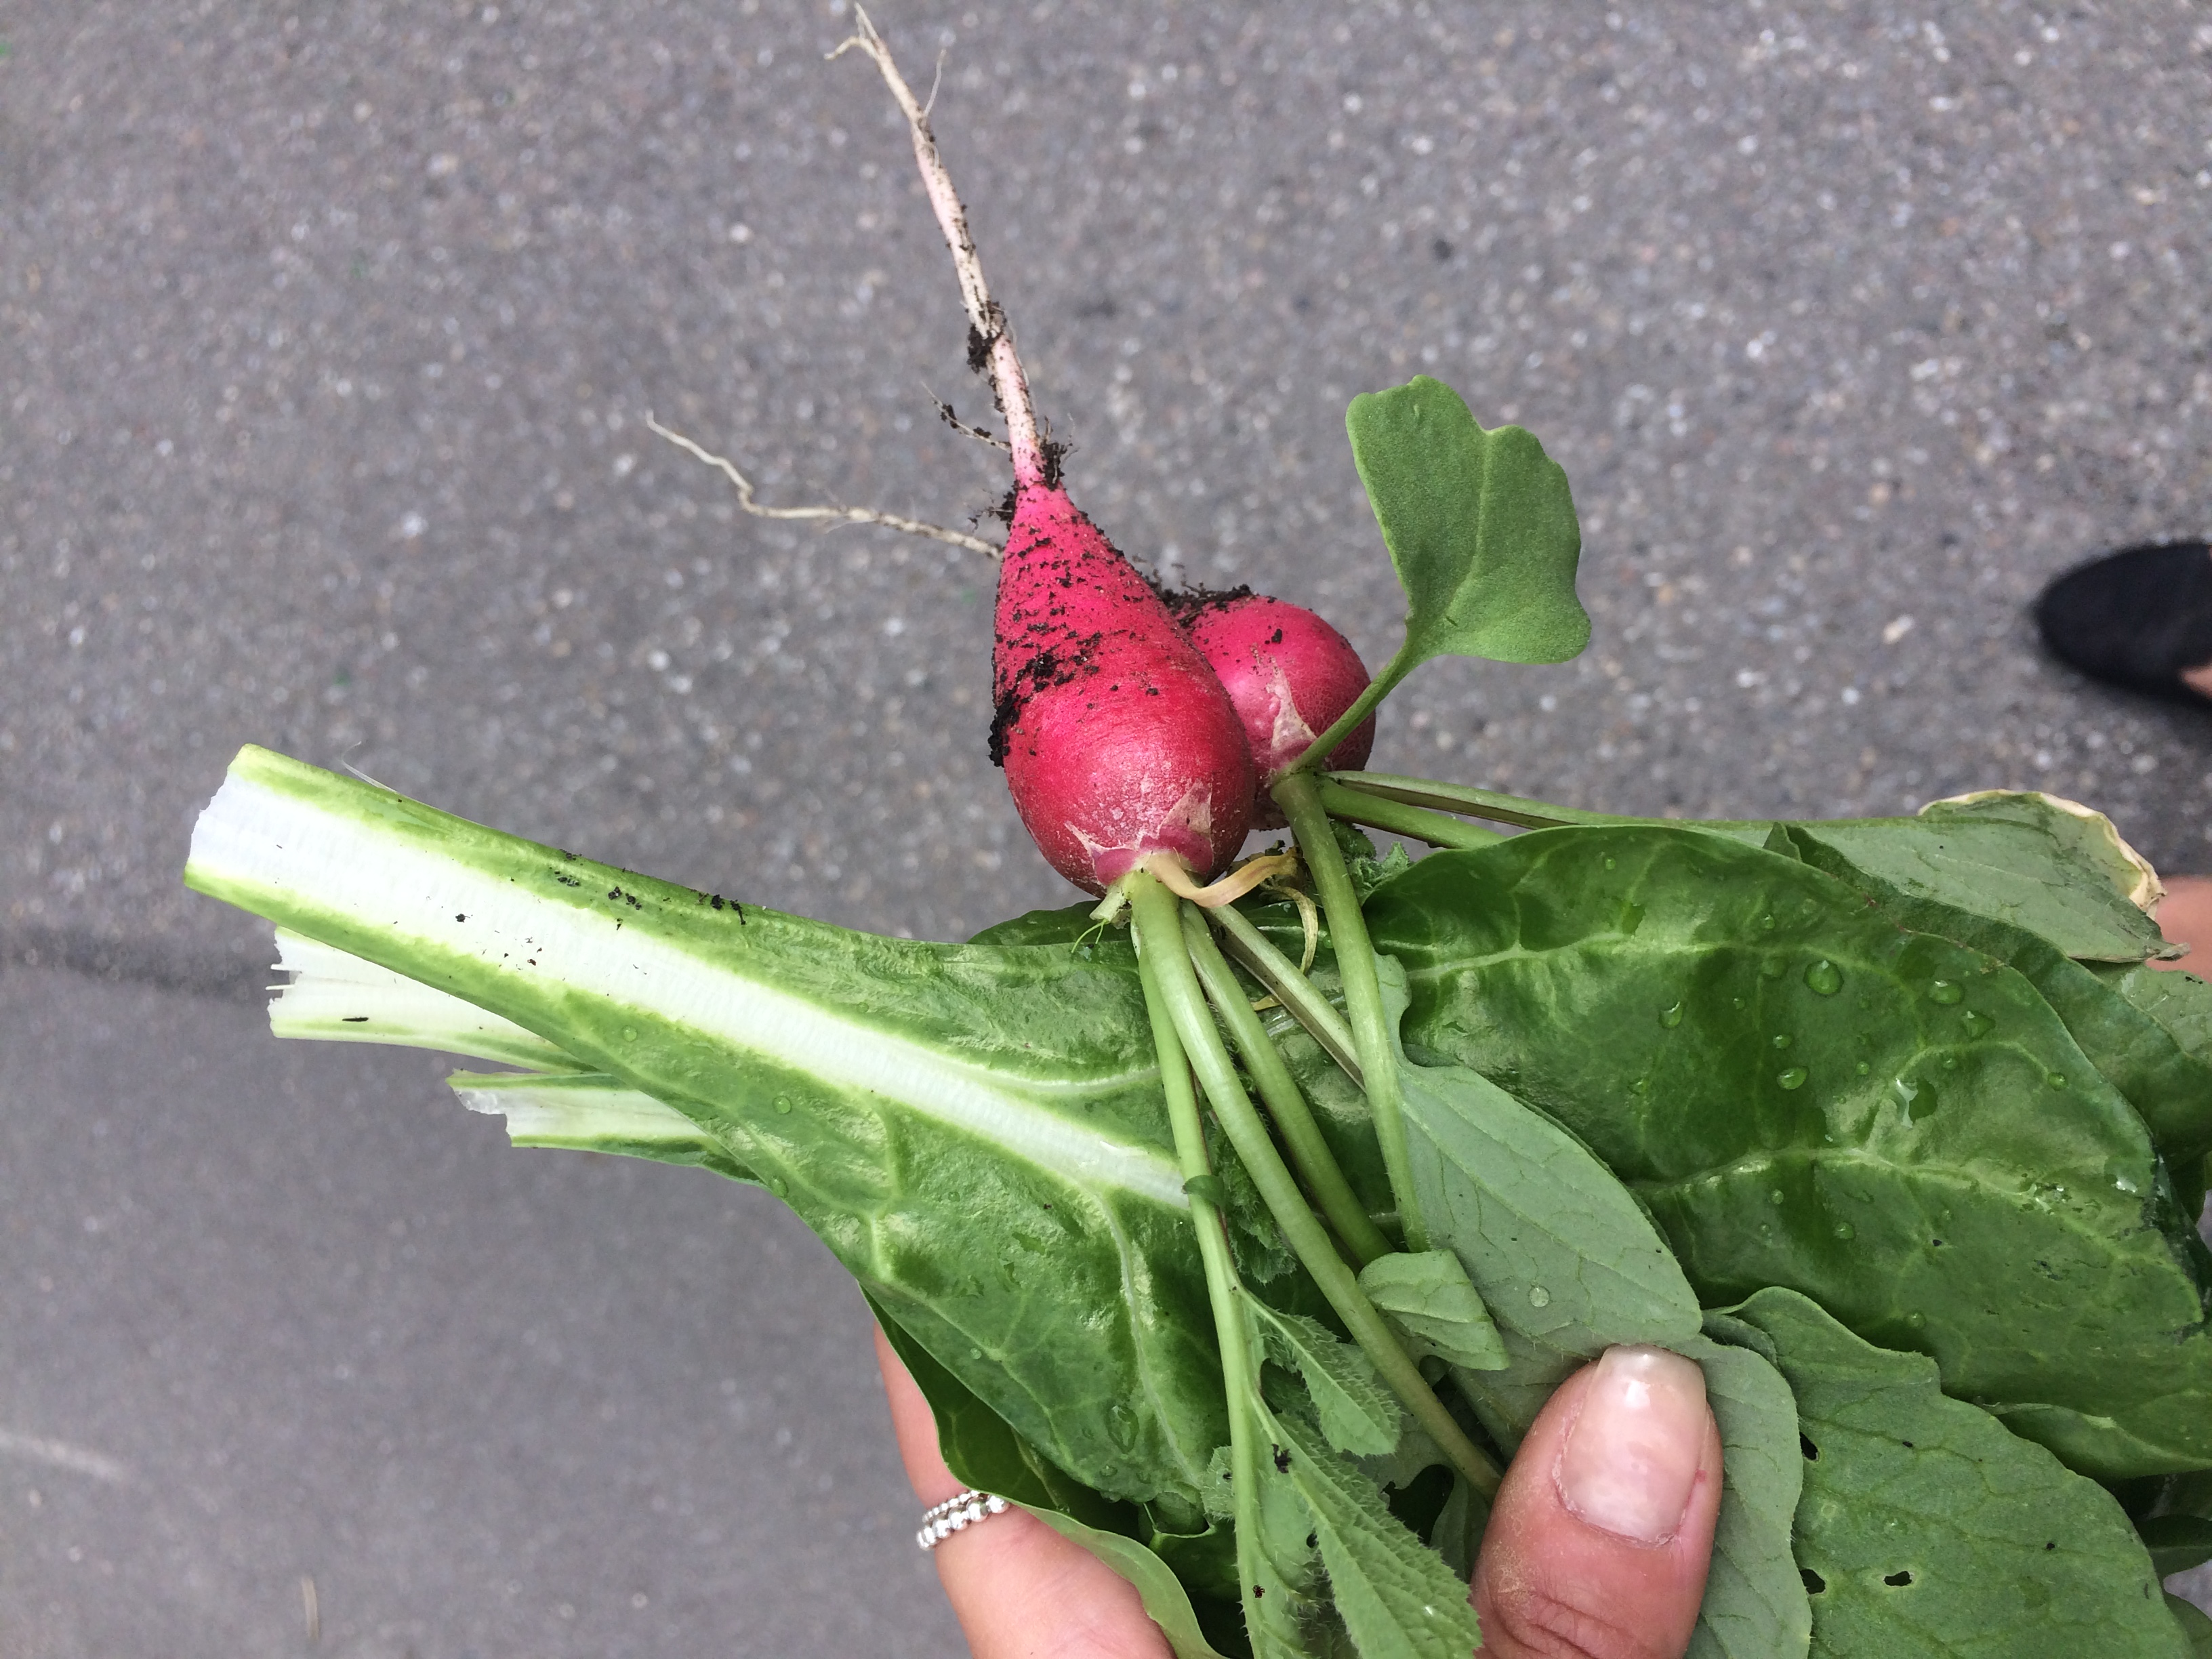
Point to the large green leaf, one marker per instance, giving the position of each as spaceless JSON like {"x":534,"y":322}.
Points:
{"x":1479,"y":525}
{"x":2020,"y":860}
{"x":1755,"y":1606}
{"x":1807,"y":1096}
{"x":977,"y":1133}
{"x":1925,"y":1528}
{"x":2139,"y":1053}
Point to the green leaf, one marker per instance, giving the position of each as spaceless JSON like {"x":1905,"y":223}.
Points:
{"x":1558,"y":1249}
{"x":1434,"y":1305}
{"x":892,"y":1091}
{"x":1358,"y":1413}
{"x":2170,"y":1086}
{"x":2196,"y":1628}
{"x":1755,"y":1606}
{"x":1564,"y":1257}
{"x":2176,"y":1542}
{"x":2016,"y":858}
{"x":2177,"y":998}
{"x":1397,"y":1596}
{"x":1925,"y":1528}
{"x":2089,"y":835}
{"x":1805,"y":1095}
{"x":1479,"y":525}
{"x":983,"y":1451}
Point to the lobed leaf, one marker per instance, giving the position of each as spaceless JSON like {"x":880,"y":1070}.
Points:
{"x":1480,"y":527}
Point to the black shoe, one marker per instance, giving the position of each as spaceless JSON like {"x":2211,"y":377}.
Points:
{"x":2137,"y":618}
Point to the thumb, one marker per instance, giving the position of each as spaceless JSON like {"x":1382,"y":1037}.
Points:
{"x":1599,"y":1541}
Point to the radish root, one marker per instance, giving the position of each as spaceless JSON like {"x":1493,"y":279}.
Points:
{"x":991,"y":344}
{"x":1175,"y":876}
{"x":826,"y":515}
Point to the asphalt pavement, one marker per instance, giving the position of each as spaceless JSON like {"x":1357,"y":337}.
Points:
{"x":328,"y":331}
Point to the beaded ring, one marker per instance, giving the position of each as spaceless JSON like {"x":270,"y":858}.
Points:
{"x":941,"y":1521}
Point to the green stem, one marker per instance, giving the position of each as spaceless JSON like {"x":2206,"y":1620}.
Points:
{"x":1288,"y":986}
{"x":1159,"y":939}
{"x":1318,"y":751}
{"x":1299,"y":798}
{"x":1467,"y":800}
{"x":1231,"y":1324}
{"x":1317,"y":1165}
{"x":1470,"y":802}
{"x":1380,"y":812}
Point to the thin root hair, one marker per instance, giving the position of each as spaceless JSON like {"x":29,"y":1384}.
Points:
{"x":946,"y":414}
{"x":827,"y":517}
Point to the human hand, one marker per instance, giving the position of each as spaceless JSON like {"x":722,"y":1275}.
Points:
{"x":1597,"y":1545}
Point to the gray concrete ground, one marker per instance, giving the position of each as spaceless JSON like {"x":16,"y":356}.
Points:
{"x":327,"y":331}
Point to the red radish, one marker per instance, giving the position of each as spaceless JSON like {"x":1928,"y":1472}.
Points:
{"x":1121,"y":747}
{"x":1118,"y":741}
{"x":1289,"y":673}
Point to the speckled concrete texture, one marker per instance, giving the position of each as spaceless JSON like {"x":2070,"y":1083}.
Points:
{"x":328,"y":330}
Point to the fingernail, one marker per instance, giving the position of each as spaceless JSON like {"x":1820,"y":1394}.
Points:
{"x":1632,"y":1457}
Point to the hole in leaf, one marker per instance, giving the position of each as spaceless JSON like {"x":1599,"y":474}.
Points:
{"x":1812,"y":1452}
{"x":1815,"y":1585}
{"x":1897,"y":1580}
{"x":2053,"y":1545}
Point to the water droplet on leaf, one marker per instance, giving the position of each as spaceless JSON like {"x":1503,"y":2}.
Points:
{"x":783,"y":1102}
{"x":1824,"y":978}
{"x":1944,"y":992}
{"x":1845,"y":1230}
{"x":1609,"y":863}
{"x":2057,"y":1080}
{"x":1777,"y":1196}
{"x":629,"y":1034}
{"x":1978,"y":1024}
{"x":1771,"y":968}
{"x":1631,"y":918}
{"x":1782,"y":1040}
{"x":1915,"y":1320}
{"x":1539,"y":1297}
{"x":1671,"y":1015}
{"x":1863,"y":1069}
{"x":1794,"y":1078}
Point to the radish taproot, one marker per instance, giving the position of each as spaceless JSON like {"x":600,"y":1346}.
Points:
{"x":1288,"y":673}
{"x":1121,"y":747}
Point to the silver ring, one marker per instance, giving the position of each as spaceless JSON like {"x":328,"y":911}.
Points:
{"x":940,"y":1520}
